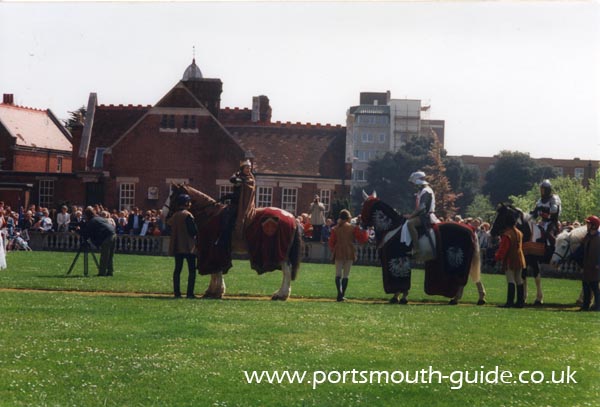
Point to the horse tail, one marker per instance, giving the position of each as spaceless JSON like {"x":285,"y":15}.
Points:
{"x":475,"y":270}
{"x":295,"y":254}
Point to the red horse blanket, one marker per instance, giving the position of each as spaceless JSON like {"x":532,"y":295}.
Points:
{"x":269,"y":237}
{"x":450,"y":269}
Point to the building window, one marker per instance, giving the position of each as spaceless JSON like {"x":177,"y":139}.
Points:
{"x":326,"y":198}
{"x":368,"y":138}
{"x":224,"y":190}
{"x":289,"y":197}
{"x":560,"y":171}
{"x":359,"y":175}
{"x":382,"y":138}
{"x":99,"y":158}
{"x":189,"y":122}
{"x":264,"y":197}
{"x":59,"y":163}
{"x":167,"y":121}
{"x":579,"y":173}
{"x":46,"y":193}
{"x":126,"y":196}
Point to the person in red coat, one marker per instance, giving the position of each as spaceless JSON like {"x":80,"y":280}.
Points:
{"x":510,"y":253}
{"x":341,"y":243}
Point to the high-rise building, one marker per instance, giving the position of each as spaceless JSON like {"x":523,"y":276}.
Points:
{"x":380,"y":124}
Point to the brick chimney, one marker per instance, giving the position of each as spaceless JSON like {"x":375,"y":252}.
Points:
{"x":8,"y":99}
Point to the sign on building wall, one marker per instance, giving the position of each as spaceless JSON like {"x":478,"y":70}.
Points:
{"x":152,"y":193}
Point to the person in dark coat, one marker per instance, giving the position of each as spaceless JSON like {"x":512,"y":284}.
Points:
{"x":102,"y":234}
{"x":590,"y":251}
{"x":183,"y":244}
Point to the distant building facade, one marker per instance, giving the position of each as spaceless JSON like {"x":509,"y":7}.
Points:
{"x":380,"y":124}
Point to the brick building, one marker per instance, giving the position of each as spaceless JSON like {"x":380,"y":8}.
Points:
{"x":128,"y":156}
{"x":35,"y":151}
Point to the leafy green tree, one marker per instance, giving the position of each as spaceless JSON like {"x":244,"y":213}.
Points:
{"x":481,"y":208}
{"x":595,"y":193}
{"x":389,"y":174}
{"x":464,"y":180}
{"x":577,"y":202}
{"x":514,"y":173}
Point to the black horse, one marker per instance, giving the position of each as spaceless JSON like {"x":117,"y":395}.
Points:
{"x":448,"y":263}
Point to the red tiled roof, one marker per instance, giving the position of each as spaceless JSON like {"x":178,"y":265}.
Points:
{"x":33,"y":128}
{"x":305,"y":150}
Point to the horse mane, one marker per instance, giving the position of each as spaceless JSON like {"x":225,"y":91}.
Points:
{"x":203,"y":205}
{"x":576,"y":235}
{"x":381,"y":216}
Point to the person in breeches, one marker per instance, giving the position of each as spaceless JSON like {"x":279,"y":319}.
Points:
{"x":423,"y":215}
{"x":183,"y":244}
{"x":510,"y":253}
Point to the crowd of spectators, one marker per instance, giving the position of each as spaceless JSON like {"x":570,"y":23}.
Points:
{"x":19,"y":222}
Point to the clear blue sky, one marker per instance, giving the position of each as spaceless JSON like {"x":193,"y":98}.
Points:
{"x":504,"y":75}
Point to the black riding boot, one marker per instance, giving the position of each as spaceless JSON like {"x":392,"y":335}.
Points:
{"x":520,"y":296}
{"x":587,"y":296}
{"x":596,"y":291}
{"x":338,"y":286}
{"x":344,"y":287}
{"x":510,"y":296}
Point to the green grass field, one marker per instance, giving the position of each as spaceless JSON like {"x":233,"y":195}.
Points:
{"x":132,"y":345}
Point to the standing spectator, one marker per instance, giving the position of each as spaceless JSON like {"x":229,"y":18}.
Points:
{"x":317,"y":218}
{"x":45,"y":223}
{"x":146,"y":224}
{"x":63,"y":219}
{"x":510,"y":253}
{"x":102,"y":234}
{"x":590,"y":251}
{"x":135,"y":222}
{"x":122,"y":223}
{"x":183,"y":244}
{"x":2,"y":251}
{"x":341,"y":244}
{"x":27,"y":222}
{"x":76,"y":220}
{"x":326,"y":231}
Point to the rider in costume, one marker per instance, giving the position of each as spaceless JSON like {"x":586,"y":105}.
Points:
{"x":423,"y":215}
{"x":548,"y":207}
{"x":241,"y":208}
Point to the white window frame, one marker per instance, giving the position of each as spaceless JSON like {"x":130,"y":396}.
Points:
{"x":46,"y":193}
{"x":326,"y":198}
{"x":126,"y":195}
{"x":579,"y":173}
{"x":560,"y":171}
{"x":224,"y":190}
{"x":382,"y":138}
{"x":264,"y":197}
{"x":289,"y":199}
{"x":362,"y":173}
{"x":59,"y":163}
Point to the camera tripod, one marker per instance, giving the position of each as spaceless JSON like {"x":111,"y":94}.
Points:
{"x":84,"y":248}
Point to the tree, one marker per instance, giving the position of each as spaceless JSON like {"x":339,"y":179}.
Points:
{"x":481,"y":208}
{"x":436,"y":171}
{"x":464,"y":180}
{"x":76,"y":118}
{"x":389,"y":175}
{"x":513,"y":174}
{"x":577,"y":202}
{"x":595,"y":193}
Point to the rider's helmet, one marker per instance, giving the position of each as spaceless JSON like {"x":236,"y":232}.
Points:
{"x":593,"y":220}
{"x":417,"y":176}
{"x":546,"y":188}
{"x":245,"y":163}
{"x":183,"y":199}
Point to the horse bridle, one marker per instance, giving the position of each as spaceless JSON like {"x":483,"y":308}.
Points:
{"x":563,"y":257}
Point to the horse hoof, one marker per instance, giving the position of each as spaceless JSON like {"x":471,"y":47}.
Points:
{"x":403,"y":301}
{"x":453,"y":302}
{"x":538,"y":303}
{"x":481,"y":302}
{"x":394,"y":300}
{"x":277,"y":297}
{"x":211,"y":296}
